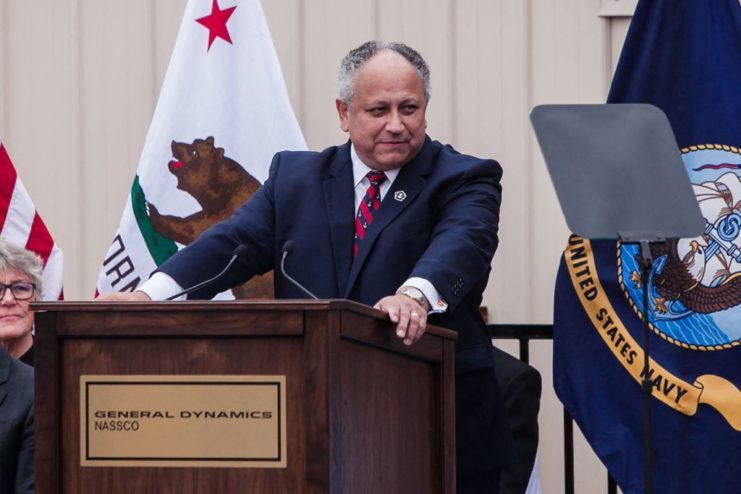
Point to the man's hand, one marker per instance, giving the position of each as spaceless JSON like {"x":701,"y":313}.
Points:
{"x":123,"y":297}
{"x":409,"y":316}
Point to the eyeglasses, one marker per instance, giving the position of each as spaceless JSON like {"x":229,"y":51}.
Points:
{"x":21,"y":290}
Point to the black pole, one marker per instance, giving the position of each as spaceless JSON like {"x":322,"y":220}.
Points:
{"x":646,"y":264}
{"x":568,"y":452}
{"x":611,"y":485}
{"x":525,"y":350}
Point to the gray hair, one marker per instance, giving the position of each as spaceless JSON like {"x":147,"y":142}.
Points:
{"x":354,"y":60}
{"x":20,"y":260}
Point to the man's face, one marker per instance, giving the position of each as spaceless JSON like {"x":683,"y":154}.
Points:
{"x":16,"y":320}
{"x":386,"y":117}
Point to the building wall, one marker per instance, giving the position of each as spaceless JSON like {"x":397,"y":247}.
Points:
{"x":79,"y":80}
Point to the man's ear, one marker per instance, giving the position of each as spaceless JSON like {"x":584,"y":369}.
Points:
{"x":343,"y":112}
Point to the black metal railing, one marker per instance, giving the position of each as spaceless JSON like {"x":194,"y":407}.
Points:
{"x":524,"y":333}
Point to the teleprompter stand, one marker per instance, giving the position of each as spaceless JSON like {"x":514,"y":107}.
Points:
{"x":618,"y":174}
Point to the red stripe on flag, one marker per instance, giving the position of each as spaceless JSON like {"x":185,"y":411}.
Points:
{"x":7,"y":183}
{"x":39,"y":240}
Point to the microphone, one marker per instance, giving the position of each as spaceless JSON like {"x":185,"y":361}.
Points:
{"x":287,"y":249}
{"x":239,"y":252}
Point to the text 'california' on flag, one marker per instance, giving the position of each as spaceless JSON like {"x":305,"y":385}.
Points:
{"x":684,"y":57}
{"x":21,"y":225}
{"x":223,"y":112}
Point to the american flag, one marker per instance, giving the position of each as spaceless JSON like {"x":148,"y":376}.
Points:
{"x":21,"y":225}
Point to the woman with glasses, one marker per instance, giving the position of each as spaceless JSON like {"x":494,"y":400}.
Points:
{"x":20,"y":284}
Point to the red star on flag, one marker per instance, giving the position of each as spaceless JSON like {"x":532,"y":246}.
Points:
{"x":216,"y":23}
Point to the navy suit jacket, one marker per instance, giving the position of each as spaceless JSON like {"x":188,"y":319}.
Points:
{"x":439,"y":221}
{"x":16,"y":426}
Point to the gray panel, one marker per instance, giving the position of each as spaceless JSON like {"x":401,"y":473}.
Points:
{"x":617,"y":171}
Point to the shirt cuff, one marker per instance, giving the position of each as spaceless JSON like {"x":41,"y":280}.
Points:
{"x":437,"y":304}
{"x":160,"y":286}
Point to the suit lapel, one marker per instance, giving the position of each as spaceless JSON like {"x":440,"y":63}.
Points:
{"x":339,"y":197}
{"x":4,"y":374}
{"x":406,"y":187}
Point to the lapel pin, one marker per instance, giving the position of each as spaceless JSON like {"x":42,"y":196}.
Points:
{"x":400,"y":195}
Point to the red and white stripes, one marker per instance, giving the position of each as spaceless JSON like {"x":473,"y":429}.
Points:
{"x":21,"y":224}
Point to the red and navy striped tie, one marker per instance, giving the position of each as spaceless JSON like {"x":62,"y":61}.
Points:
{"x":369,"y":205}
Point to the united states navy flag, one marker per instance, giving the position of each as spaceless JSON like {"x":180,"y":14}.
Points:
{"x":683,"y":56}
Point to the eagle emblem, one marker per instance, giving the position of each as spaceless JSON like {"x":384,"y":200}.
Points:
{"x":695,"y":283}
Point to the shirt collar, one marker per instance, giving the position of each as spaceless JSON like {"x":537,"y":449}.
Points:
{"x":360,"y":170}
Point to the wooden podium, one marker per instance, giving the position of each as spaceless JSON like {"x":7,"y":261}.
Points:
{"x":363,"y":413}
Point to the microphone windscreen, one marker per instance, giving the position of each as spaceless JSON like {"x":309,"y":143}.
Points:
{"x":241,"y":251}
{"x":288,"y":246}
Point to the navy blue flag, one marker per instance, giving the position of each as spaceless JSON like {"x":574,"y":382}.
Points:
{"x":683,"y":56}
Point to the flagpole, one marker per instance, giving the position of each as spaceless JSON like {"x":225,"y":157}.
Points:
{"x":646,"y":265}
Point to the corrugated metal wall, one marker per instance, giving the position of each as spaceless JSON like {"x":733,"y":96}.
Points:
{"x":79,"y":80}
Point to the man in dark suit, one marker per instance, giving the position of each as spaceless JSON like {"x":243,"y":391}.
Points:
{"x":520,"y":387}
{"x":391,"y":219}
{"x":16,"y":426}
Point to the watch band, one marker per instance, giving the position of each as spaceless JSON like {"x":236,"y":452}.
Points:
{"x":415,"y":294}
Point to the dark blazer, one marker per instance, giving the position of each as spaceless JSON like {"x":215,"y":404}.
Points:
{"x":520,"y":386}
{"x":27,"y":358}
{"x":439,"y":221}
{"x":16,"y":426}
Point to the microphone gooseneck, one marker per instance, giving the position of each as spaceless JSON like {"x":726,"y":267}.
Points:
{"x":239,"y":252}
{"x":287,"y":249}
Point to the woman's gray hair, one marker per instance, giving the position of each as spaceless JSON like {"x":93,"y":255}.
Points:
{"x":355,"y":59}
{"x":20,"y":260}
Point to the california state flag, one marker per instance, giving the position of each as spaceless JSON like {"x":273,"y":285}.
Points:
{"x":222,"y":114}
{"x":21,"y":225}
